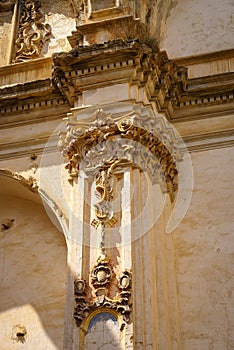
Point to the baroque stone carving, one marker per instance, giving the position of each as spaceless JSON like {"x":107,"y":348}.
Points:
{"x":32,"y":33}
{"x":109,"y":142}
{"x":101,"y":276}
{"x":104,"y":191}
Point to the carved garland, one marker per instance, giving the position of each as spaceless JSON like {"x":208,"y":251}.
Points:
{"x":32,"y":33}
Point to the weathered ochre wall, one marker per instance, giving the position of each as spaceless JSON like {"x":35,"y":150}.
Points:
{"x":195,"y":27}
{"x":59,"y":15}
{"x":204,"y":255}
{"x":5,"y":35}
{"x":33,"y":274}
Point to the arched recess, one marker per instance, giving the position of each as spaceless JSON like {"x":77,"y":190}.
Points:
{"x":33,"y":264}
{"x":102,"y":329}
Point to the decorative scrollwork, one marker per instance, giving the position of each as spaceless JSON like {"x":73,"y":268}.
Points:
{"x":32,"y":33}
{"x":101,"y":277}
{"x":86,"y":145}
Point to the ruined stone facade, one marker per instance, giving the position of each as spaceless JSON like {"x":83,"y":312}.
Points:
{"x":116,"y":168}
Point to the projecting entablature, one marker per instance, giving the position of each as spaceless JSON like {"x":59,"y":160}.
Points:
{"x":120,"y":62}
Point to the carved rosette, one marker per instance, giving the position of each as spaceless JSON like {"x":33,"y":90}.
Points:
{"x":101,"y":278}
{"x":32,"y":33}
{"x":109,"y":142}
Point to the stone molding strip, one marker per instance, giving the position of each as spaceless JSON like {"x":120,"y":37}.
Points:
{"x":28,"y":97}
{"x":25,"y":148}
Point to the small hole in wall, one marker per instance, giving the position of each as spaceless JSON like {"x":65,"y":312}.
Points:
{"x":33,"y":157}
{"x":6,"y":224}
{"x":19,"y":334}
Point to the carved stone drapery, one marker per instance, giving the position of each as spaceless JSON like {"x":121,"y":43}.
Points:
{"x":32,"y":33}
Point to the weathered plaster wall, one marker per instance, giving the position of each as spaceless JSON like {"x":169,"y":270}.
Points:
{"x":204,"y":255}
{"x":59,"y":15}
{"x":5,"y":34}
{"x":195,"y":27}
{"x":33,"y":275}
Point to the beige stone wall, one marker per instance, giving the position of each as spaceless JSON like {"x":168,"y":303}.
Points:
{"x":195,"y":27}
{"x":204,"y":255}
{"x":5,"y":34}
{"x":33,"y":272}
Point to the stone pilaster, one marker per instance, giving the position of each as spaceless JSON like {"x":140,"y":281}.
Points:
{"x":127,"y":157}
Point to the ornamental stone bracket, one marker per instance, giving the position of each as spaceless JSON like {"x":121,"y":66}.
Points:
{"x":120,"y":61}
{"x":32,"y":32}
{"x":101,"y":276}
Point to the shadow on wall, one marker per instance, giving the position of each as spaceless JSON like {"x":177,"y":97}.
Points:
{"x":32,"y":271}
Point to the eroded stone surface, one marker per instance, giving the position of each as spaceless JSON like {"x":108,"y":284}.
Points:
{"x":194,"y":27}
{"x":204,"y":255}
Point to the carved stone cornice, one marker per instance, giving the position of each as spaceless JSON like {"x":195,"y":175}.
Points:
{"x":21,"y":91}
{"x":121,"y":61}
{"x":31,"y":96}
{"x":215,"y":89}
{"x":206,"y":95}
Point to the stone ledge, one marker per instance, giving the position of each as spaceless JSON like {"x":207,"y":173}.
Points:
{"x":21,"y":73}
{"x":208,"y":64}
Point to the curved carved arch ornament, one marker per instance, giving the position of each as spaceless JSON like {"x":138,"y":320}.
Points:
{"x":102,"y":146}
{"x":105,"y":142}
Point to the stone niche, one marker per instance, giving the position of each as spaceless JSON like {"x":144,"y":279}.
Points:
{"x":103,"y":333}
